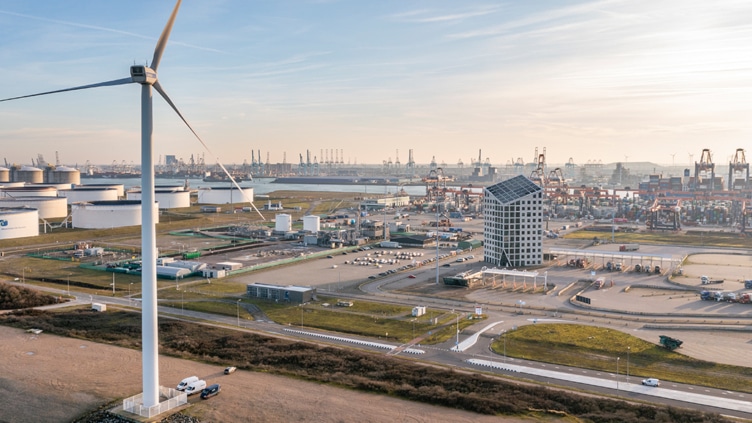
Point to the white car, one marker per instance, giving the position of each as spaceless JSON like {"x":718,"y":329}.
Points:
{"x":651,"y":382}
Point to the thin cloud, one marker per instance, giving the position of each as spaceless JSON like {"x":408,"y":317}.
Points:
{"x":105,"y":29}
{"x":426,"y":16}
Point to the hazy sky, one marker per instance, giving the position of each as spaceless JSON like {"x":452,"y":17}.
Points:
{"x":592,"y":80}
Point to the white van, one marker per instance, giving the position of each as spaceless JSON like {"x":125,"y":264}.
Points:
{"x":195,"y":387}
{"x":651,"y":382}
{"x":185,"y":382}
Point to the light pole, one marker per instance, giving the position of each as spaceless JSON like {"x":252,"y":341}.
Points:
{"x":113,"y":284}
{"x":504,"y":336}
{"x":457,"y":344}
{"x":437,"y":243}
{"x":617,"y":375}
{"x":237,"y":307}
{"x":23,"y":274}
{"x":628,"y":350}
{"x":129,"y":293}
{"x":69,"y":284}
{"x":413,"y":328}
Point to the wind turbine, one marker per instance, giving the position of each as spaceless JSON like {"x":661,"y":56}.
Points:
{"x":147,"y":77}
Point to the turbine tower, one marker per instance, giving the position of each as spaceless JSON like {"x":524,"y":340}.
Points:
{"x":147,"y":77}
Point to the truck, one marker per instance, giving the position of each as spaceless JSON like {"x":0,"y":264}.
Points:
{"x":670,"y":343}
{"x":600,"y":283}
{"x":745,"y":298}
{"x":98,"y":307}
{"x":748,"y":284}
{"x":707,"y":281}
{"x":629,"y":247}
{"x":707,"y":296}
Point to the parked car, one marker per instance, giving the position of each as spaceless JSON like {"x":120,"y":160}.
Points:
{"x":210,"y":391}
{"x":230,"y":369}
{"x":651,"y":382}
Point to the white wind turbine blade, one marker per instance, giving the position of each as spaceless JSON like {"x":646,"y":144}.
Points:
{"x":162,"y":43}
{"x":82,"y":87}
{"x":164,"y":95}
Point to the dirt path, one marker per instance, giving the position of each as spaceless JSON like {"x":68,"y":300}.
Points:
{"x":45,"y":378}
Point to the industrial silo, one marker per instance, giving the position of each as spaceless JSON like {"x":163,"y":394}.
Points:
{"x":62,"y":175}
{"x":27,"y":174}
{"x":311,"y":223}
{"x":283,"y":223}
{"x":4,"y":174}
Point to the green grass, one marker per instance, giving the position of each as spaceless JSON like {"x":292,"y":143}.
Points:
{"x":685,"y":237}
{"x":598,"y":348}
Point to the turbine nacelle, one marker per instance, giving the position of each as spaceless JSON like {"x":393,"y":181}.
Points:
{"x":143,"y":74}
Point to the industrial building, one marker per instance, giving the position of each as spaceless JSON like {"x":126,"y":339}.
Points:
{"x":18,"y":222}
{"x":108,"y":214}
{"x":290,"y":293}
{"x":513,"y":223}
{"x":389,"y":201}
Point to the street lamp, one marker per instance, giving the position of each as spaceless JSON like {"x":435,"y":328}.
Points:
{"x":504,"y":336}
{"x":23,"y":274}
{"x":129,"y":293}
{"x":458,"y":331}
{"x":69,"y":284}
{"x":628,"y":350}
{"x":617,"y":375}
{"x":237,"y":306}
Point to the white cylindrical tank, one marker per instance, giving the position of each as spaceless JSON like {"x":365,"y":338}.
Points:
{"x":311,"y":223}
{"x":62,"y":175}
{"x":283,"y":223}
{"x":4,"y":174}
{"x":18,"y":222}
{"x":108,"y":214}
{"x":119,"y":187}
{"x":28,"y":191}
{"x":47,"y":207}
{"x":78,"y":194}
{"x":28,"y":174}
{"x":224,"y":195}
{"x":167,"y":198}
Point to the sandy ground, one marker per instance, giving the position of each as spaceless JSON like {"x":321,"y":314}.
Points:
{"x":45,"y":378}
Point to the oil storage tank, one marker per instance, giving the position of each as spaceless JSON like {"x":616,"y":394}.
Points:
{"x":4,"y":174}
{"x":108,"y":214}
{"x":283,"y":223}
{"x":311,"y":223}
{"x":18,"y":222}
{"x":119,"y":187}
{"x":224,"y":195}
{"x":83,"y":193}
{"x":62,"y":175}
{"x":28,"y":174}
{"x":168,"y":198}
{"x":47,"y":207}
{"x":28,"y":191}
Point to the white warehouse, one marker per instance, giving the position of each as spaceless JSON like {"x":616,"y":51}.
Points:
{"x":108,"y":214}
{"x":168,"y":198}
{"x":18,"y":222}
{"x":47,"y":207}
{"x":224,"y":195}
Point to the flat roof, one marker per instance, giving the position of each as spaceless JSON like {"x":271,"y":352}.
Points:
{"x":288,"y":287}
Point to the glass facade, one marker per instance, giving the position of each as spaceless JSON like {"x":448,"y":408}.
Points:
{"x":513,"y":223}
